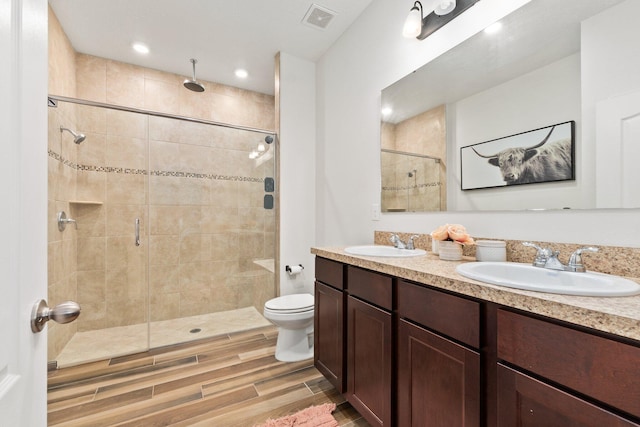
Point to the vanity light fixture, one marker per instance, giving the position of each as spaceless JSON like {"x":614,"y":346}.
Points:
{"x":413,"y":24}
{"x":425,"y":19}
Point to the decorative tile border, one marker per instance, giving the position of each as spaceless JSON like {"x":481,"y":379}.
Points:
{"x":132,"y":171}
{"x":411,"y":187}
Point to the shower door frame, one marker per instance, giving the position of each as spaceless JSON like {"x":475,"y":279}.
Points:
{"x":147,"y":174}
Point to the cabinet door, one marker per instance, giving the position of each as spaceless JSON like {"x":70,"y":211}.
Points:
{"x":328,"y":335}
{"x":438,"y":380}
{"x":526,"y":402}
{"x":369,"y":361}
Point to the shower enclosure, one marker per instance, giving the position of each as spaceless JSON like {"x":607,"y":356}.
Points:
{"x":176,"y":229}
{"x":411,"y":182}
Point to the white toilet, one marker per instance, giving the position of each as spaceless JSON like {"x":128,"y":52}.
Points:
{"x":293,"y":315}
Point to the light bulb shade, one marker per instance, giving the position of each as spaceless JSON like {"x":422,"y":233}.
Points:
{"x":413,"y":24}
{"x":444,"y":7}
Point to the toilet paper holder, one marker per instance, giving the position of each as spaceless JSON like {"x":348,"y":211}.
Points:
{"x":294,"y":270}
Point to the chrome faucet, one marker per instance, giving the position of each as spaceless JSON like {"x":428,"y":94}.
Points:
{"x":546,"y":258}
{"x":398,"y":243}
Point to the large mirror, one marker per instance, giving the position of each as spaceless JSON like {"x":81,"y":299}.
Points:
{"x":550,"y":62}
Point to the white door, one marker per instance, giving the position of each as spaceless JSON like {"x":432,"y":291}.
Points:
{"x":23,"y":203}
{"x":618,"y":152}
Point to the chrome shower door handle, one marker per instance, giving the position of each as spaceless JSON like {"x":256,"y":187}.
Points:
{"x":137,"y":231}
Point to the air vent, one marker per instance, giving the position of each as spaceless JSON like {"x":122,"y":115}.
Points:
{"x":318,"y":16}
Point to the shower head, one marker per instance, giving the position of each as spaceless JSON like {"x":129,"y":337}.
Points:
{"x":193,"y":84}
{"x":77,"y":137}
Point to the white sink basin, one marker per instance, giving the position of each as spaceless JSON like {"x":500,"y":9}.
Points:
{"x":528,"y":277}
{"x":384,"y":251}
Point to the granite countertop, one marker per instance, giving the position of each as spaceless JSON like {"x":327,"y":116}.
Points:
{"x":616,"y":315}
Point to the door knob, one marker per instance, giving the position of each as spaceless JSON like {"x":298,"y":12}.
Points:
{"x":64,"y":312}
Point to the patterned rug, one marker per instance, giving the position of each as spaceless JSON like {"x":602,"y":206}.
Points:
{"x":314,"y":416}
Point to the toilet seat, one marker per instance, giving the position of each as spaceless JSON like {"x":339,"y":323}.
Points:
{"x":294,"y":303}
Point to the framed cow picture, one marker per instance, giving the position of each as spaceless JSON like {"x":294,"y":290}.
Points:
{"x":540,"y":155}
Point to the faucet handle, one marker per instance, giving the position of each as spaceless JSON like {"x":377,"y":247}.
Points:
{"x":397,"y":242}
{"x":410,"y":244}
{"x":575,"y":261}
{"x":542,"y":255}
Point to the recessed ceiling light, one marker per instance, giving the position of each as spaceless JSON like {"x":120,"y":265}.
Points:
{"x":241,"y":74}
{"x":493,"y":28}
{"x":386,"y":111}
{"x":141,"y":48}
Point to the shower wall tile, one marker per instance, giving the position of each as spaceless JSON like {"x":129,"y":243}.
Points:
{"x":165,"y":306}
{"x":196,"y":104}
{"x":126,"y":189}
{"x":91,"y":219}
{"x":163,"y":190}
{"x":91,"y":78}
{"x":227,"y":194}
{"x":194,"y":158}
{"x":62,"y":66}
{"x":195,"y":248}
{"x":123,"y":123}
{"x":164,"y":279}
{"x":225,"y":246}
{"x":91,"y":119}
{"x":92,"y":151}
{"x":194,"y":191}
{"x":125,"y":84}
{"x":94,"y":316}
{"x":164,"y":249}
{"x":164,"y":219}
{"x":163,"y":155}
{"x":92,"y":286}
{"x":126,"y":152}
{"x":127,"y":312}
{"x":91,"y":185}
{"x":91,"y":253}
{"x":120,"y":220}
{"x":161,"y":96}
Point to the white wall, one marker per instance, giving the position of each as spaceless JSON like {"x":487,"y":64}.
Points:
{"x":297,"y":171}
{"x":370,"y":56}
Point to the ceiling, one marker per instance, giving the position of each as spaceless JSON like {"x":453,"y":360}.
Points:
{"x":222,"y":35}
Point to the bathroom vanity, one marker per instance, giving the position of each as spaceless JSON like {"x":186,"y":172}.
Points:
{"x":409,"y":342}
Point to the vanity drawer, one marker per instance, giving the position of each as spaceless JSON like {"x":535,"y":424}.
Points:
{"x":605,"y":369}
{"x":453,"y":316}
{"x":330,"y":272}
{"x":372,"y":287}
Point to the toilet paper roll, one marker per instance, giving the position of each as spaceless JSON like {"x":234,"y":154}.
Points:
{"x":294,"y":269}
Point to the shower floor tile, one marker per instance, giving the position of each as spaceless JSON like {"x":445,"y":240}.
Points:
{"x":112,"y":342}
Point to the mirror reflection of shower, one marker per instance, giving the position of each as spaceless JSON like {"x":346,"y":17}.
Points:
{"x":411,"y":182}
{"x":77,"y":136}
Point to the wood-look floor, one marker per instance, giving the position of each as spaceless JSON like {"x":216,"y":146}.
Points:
{"x":232,"y":380}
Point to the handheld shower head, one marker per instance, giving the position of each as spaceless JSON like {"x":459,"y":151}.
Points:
{"x":77,"y":137}
{"x":193,"y":84}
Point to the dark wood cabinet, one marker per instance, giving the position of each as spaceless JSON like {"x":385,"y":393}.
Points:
{"x":438,"y":380}
{"x":439,"y":371}
{"x":329,"y":339}
{"x":407,"y":354}
{"x":526,"y":402}
{"x":369,"y":361}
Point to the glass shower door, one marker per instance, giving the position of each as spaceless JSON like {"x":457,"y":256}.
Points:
{"x":101,"y":184}
{"x":212,"y":229}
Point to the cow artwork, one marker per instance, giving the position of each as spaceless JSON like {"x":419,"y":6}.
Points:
{"x":544,"y":161}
